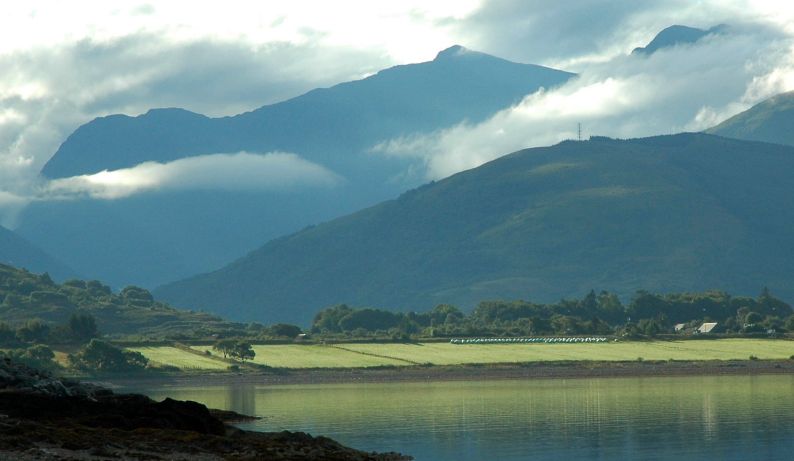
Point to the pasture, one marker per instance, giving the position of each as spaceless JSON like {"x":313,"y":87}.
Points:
{"x":405,"y":354}
{"x":167,"y":355}
{"x":452,"y":354}
{"x":315,"y":356}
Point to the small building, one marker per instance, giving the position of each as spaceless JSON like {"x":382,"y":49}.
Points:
{"x":707,"y":327}
{"x":679,"y":327}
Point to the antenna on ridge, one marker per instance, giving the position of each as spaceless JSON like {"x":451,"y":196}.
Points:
{"x":580,"y":131}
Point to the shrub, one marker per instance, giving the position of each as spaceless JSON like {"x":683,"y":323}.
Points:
{"x":103,"y":356}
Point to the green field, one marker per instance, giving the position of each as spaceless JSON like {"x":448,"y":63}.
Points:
{"x":370,"y":355}
{"x":451,"y":354}
{"x":179,"y":358}
{"x":315,"y":356}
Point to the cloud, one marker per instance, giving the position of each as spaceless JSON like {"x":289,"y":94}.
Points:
{"x":47,"y":93}
{"x":240,"y":171}
{"x":685,"y":88}
{"x":62,"y":66}
{"x":572,"y":35}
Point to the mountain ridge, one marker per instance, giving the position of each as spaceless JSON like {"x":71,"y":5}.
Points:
{"x":16,"y":250}
{"x":455,"y":90}
{"x":771,"y":120}
{"x":153,"y":238}
{"x":678,"y":35}
{"x":669,"y":213}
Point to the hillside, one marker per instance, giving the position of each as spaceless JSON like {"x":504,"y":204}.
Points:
{"x":677,"y":35}
{"x":672,"y":213}
{"x":17,"y":251}
{"x":26,"y":296}
{"x":771,"y":120}
{"x":157,"y":237}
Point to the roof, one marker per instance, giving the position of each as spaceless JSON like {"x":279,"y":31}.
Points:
{"x":707,"y":327}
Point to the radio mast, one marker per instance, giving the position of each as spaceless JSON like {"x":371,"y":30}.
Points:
{"x":580,"y":131}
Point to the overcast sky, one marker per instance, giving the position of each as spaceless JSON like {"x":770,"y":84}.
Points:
{"x":64,"y":63}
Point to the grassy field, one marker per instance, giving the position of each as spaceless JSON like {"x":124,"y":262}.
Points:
{"x":370,"y":355}
{"x":451,"y":354}
{"x":179,"y":358}
{"x":315,"y":356}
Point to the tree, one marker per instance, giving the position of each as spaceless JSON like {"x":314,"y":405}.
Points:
{"x":240,"y":350}
{"x":243,"y":351}
{"x":102,"y":356}
{"x":36,"y":356}
{"x":83,"y":326}
{"x":34,"y":331}
{"x":40,"y":352}
{"x":137,"y":296}
{"x":789,"y":325}
{"x":225,"y":347}
{"x":285,"y":330}
{"x":327,"y":320}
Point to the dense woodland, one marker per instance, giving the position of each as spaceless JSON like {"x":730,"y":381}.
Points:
{"x":647,"y":314}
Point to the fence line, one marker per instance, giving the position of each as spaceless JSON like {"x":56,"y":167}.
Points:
{"x":544,"y":340}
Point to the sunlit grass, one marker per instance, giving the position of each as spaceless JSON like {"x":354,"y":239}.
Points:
{"x":450,"y":354}
{"x":317,"y":356}
{"x":179,"y":358}
{"x":402,"y":354}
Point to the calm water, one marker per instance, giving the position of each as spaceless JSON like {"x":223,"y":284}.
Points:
{"x":725,"y":418}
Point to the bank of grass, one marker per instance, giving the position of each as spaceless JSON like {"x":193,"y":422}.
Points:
{"x":316,"y":356}
{"x":364,"y":355}
{"x":453,"y":354}
{"x":176,"y":357}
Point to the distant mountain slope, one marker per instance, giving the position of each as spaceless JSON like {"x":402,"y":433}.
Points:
{"x":17,"y":251}
{"x":327,"y":125}
{"x":683,"y":212}
{"x":154,"y":238}
{"x":677,"y":35}
{"x":770,"y":121}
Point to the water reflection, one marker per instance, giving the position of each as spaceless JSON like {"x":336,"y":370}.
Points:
{"x":692,"y":418}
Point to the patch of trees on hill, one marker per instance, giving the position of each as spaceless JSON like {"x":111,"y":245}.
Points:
{"x":601,"y":313}
{"x":32,"y":304}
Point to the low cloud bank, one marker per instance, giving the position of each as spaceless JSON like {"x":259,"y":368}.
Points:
{"x":683,"y":88}
{"x":240,"y":171}
{"x":275,"y":171}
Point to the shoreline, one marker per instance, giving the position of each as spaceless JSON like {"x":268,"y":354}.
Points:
{"x":481,"y":372}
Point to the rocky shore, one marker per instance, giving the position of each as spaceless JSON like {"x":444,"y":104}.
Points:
{"x":47,"y":418}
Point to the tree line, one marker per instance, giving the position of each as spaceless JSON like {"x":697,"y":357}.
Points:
{"x":603,"y":313}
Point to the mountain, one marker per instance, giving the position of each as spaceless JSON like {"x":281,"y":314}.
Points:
{"x":677,"y":35}
{"x":667,"y":213}
{"x":153,"y":238}
{"x":18,"y":251}
{"x":770,"y":121}
{"x":328,"y":125}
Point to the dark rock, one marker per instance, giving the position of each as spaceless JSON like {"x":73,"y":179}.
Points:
{"x":41,"y":415}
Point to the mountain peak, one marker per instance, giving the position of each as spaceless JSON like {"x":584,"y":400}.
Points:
{"x":678,"y":35}
{"x":451,"y":52}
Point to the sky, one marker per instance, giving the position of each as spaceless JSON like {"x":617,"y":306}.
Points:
{"x":64,"y":63}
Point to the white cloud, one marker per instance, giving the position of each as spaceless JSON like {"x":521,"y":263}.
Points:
{"x":687,"y":88}
{"x":240,"y":171}
{"x":64,"y":63}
